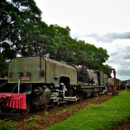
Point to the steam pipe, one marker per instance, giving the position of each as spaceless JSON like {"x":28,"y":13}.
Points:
{"x":115,"y":87}
{"x":114,"y":72}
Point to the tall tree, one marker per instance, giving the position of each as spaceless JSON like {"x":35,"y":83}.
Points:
{"x":3,"y":66}
{"x":17,"y":17}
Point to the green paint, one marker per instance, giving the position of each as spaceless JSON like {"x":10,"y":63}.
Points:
{"x":53,"y":70}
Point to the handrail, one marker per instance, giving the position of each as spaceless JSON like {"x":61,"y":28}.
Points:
{"x":3,"y":84}
{"x":14,"y":87}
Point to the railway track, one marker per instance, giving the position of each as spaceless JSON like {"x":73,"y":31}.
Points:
{"x":9,"y":116}
{"x":62,"y":107}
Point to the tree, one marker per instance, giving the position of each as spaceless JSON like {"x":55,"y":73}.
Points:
{"x":3,"y":67}
{"x":107,"y":70}
{"x":62,"y":43}
{"x":17,"y":17}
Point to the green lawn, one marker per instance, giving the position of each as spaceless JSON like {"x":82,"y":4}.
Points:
{"x":102,"y":116}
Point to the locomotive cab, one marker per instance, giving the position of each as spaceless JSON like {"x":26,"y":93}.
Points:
{"x":82,"y":74}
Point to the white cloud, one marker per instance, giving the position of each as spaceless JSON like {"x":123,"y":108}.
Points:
{"x":109,"y":37}
{"x":91,"y":16}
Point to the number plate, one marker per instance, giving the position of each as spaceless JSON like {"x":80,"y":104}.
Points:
{"x":25,"y":78}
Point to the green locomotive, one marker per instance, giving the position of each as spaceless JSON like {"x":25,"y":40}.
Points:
{"x":45,"y":81}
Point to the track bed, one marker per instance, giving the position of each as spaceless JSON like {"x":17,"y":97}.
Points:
{"x":43,"y":119}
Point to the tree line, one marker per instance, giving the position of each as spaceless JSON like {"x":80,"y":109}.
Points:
{"x":23,"y":33}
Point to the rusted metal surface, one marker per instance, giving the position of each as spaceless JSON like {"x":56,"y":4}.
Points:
{"x":115,"y":87}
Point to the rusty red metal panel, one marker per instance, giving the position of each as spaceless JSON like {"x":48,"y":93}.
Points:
{"x":114,"y":72}
{"x":110,"y":88}
{"x":25,"y":78}
{"x":17,"y":101}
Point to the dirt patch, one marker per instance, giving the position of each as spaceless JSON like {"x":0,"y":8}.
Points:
{"x":44,"y":119}
{"x":124,"y":126}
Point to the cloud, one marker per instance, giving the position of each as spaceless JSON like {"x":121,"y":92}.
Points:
{"x":127,"y":57}
{"x":110,"y":37}
{"x":125,"y":72}
{"x":127,"y":53}
{"x":127,"y":49}
{"x":113,"y":53}
{"x":120,"y":59}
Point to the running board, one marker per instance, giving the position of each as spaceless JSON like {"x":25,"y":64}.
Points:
{"x":73,"y":99}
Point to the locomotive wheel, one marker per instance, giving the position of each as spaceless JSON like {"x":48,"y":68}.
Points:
{"x":27,"y":110}
{"x":115,"y":93}
{"x":46,"y":107}
{"x":96,"y":94}
{"x":80,"y":97}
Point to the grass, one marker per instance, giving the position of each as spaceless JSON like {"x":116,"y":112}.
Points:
{"x":32,"y":125}
{"x":63,"y":111}
{"x":99,"y":117}
{"x":7,"y":126}
{"x":46,"y":113}
{"x":37,"y":118}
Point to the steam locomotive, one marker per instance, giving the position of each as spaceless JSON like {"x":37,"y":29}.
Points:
{"x":38,"y":82}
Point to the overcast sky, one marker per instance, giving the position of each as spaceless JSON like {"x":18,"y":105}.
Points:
{"x":104,"y":23}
